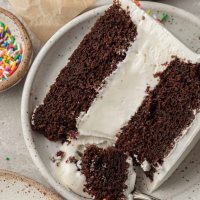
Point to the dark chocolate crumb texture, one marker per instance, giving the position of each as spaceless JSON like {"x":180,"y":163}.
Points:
{"x":106,"y":172}
{"x":78,"y":83}
{"x":166,"y":111}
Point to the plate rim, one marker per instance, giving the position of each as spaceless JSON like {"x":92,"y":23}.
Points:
{"x":9,"y":175}
{"x":25,"y":118}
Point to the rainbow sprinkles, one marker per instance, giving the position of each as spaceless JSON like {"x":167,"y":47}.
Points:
{"x":164,"y":16}
{"x":10,"y":53}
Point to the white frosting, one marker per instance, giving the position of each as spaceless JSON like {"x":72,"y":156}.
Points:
{"x":120,"y":99}
{"x":146,"y":166}
{"x":125,"y":88}
{"x":66,"y":172}
{"x":69,"y":173}
{"x":162,"y":44}
{"x":33,"y":116}
{"x":130,"y":182}
{"x":123,"y":94}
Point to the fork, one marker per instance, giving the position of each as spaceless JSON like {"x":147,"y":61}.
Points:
{"x":140,"y":196}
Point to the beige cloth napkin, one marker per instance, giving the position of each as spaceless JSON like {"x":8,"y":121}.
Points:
{"x":45,"y":17}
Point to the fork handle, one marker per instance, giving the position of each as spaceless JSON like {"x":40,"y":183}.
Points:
{"x":140,"y":196}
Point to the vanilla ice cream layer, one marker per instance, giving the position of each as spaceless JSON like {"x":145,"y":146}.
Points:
{"x":125,"y":89}
{"x":69,"y":174}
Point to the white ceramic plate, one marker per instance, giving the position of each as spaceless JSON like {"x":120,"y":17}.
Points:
{"x":185,"y":182}
{"x":16,"y":187}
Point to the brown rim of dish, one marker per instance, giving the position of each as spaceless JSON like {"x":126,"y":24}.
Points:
{"x":8,"y":175}
{"x":24,"y":65}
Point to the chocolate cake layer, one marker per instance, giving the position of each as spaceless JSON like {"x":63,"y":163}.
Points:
{"x":78,"y":83}
{"x":165,"y":113}
{"x":106,"y":172}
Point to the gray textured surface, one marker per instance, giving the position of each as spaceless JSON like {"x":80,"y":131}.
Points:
{"x":11,"y":138}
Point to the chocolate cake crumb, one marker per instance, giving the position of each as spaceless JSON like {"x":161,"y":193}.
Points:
{"x":78,"y":83}
{"x":53,"y":159}
{"x":166,"y":111}
{"x":148,"y":89}
{"x":72,"y":159}
{"x":71,"y":135}
{"x":106,"y":172}
{"x":60,"y":154}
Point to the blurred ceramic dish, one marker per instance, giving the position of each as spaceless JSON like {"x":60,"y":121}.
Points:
{"x":21,"y":37}
{"x":16,"y":187}
{"x":53,"y":57}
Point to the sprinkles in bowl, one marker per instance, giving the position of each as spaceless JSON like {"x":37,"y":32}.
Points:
{"x":10,"y":52}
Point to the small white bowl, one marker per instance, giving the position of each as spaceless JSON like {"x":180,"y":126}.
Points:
{"x":21,"y":36}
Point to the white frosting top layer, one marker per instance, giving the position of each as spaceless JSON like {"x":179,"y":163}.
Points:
{"x":69,"y":174}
